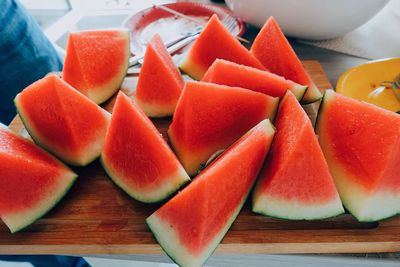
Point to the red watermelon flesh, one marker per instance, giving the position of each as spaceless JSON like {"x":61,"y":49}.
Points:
{"x":215,"y":41}
{"x":295,"y":182}
{"x":160,"y":82}
{"x":96,"y":62}
{"x":137,"y":158}
{"x":211,"y":117}
{"x":232,"y":74}
{"x":274,"y":51}
{"x":191,"y":225}
{"x":361,"y":143}
{"x":32,"y":181}
{"x":62,"y":120}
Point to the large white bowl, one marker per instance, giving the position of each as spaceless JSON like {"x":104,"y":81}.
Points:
{"x":309,"y":19}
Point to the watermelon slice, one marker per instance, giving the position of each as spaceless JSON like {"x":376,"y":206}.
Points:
{"x":96,"y":62}
{"x":274,"y":51}
{"x":62,"y":120}
{"x":215,"y":41}
{"x":232,"y":74}
{"x":191,"y":225}
{"x":32,"y":181}
{"x":137,"y":158}
{"x":160,"y":82}
{"x":295,"y":182}
{"x":361,"y":143}
{"x":211,"y":117}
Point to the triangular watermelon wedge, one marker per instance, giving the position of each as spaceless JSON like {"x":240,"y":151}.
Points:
{"x":32,"y":181}
{"x":361,"y":143}
{"x":191,"y":225}
{"x":137,"y":158}
{"x":62,"y":120}
{"x":274,"y":51}
{"x":295,"y":182}
{"x":160,"y":82}
{"x":96,"y":62}
{"x":211,"y":117}
{"x":215,"y":41}
{"x":231,"y":74}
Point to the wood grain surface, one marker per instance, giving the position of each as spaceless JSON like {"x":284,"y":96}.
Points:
{"x":96,"y":217}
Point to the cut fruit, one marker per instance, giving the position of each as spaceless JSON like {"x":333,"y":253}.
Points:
{"x":160,"y":82}
{"x":96,"y":62}
{"x":274,"y":51}
{"x":215,"y":41}
{"x":32,"y":181}
{"x":295,"y":182}
{"x":361,"y":143}
{"x":211,"y":117}
{"x":191,"y":225}
{"x":137,"y":158}
{"x":62,"y":120}
{"x":231,"y":74}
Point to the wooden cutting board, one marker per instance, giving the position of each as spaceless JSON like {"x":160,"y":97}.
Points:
{"x":97,"y":218}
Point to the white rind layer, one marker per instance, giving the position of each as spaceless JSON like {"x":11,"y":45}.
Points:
{"x":299,"y":91}
{"x":16,"y":222}
{"x":168,"y":187}
{"x":155,"y":111}
{"x":294,"y":210}
{"x":365,"y":205}
{"x":169,"y":240}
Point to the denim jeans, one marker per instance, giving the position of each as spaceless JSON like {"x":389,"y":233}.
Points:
{"x":26,"y":55}
{"x":47,"y":260}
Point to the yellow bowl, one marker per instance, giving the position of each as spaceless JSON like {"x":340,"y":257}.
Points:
{"x":358,"y":82}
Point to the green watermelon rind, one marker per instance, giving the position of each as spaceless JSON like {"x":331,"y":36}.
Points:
{"x":272,"y":109}
{"x":299,"y":91}
{"x":311,"y":95}
{"x":161,"y":196}
{"x":333,"y":215}
{"x":320,"y":110}
{"x":38,"y":141}
{"x":153,"y":225}
{"x":306,"y":220}
{"x":295,"y":219}
{"x":73,"y":176}
{"x":328,"y":96}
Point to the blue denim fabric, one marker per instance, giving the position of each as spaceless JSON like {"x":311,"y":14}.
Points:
{"x":26,"y":55}
{"x":48,"y":260}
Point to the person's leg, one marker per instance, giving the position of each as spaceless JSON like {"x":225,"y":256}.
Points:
{"x":26,"y":55}
{"x":48,"y":260}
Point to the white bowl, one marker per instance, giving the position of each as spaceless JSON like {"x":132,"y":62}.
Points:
{"x":309,"y":19}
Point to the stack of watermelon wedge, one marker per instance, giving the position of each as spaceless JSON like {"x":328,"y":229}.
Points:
{"x":240,"y":126}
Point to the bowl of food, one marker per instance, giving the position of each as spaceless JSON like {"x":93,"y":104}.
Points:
{"x":309,"y":19}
